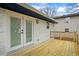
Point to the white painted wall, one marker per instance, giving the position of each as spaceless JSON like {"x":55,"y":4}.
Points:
{"x":72,"y":25}
{"x":52,"y":27}
{"x":40,"y":31}
{"x":75,"y":25}
{"x":4,"y":33}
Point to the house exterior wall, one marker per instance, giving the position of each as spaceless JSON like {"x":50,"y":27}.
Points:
{"x":72,"y":25}
{"x":76,"y":26}
{"x":40,"y":32}
{"x":2,"y":37}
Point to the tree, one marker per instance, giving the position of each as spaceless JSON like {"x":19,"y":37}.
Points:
{"x":49,"y":11}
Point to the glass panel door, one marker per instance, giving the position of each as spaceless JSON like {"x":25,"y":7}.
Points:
{"x":28,"y":31}
{"x":15,"y":31}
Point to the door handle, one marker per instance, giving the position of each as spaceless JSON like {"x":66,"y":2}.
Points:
{"x":22,"y":31}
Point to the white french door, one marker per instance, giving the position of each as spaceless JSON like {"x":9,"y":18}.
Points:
{"x":28,"y":33}
{"x":15,"y":33}
{"x":20,"y":32}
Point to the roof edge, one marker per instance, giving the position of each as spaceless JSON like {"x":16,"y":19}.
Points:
{"x":64,"y":16}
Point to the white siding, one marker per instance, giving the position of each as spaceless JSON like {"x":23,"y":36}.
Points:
{"x":72,"y":25}
{"x":40,"y":31}
{"x":52,"y":27}
{"x":3,"y":33}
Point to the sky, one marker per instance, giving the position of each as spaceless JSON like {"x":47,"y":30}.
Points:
{"x":61,"y":8}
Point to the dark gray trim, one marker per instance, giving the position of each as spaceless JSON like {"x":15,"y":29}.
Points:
{"x":64,"y":16}
{"x":17,"y":8}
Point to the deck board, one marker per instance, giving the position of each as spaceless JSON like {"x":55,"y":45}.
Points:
{"x":55,"y":48}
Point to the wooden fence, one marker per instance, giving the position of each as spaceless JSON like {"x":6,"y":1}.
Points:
{"x":71,"y":36}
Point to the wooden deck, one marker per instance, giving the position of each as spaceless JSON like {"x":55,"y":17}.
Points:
{"x":53,"y":47}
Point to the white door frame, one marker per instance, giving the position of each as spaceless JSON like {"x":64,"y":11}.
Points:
{"x":21,"y":45}
{"x":25,"y":43}
{"x":23,"y":35}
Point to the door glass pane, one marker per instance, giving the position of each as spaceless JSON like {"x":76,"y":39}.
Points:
{"x":28,"y":31}
{"x":15,"y":31}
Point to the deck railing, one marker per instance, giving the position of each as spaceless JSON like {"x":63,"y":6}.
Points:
{"x":71,"y":36}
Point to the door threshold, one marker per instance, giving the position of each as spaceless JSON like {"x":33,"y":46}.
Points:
{"x":18,"y":52}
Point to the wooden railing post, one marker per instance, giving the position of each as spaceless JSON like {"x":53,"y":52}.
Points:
{"x":75,"y":37}
{"x":60,"y":35}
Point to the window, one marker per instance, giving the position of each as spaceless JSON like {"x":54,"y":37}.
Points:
{"x":67,"y":19}
{"x":66,"y":29}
